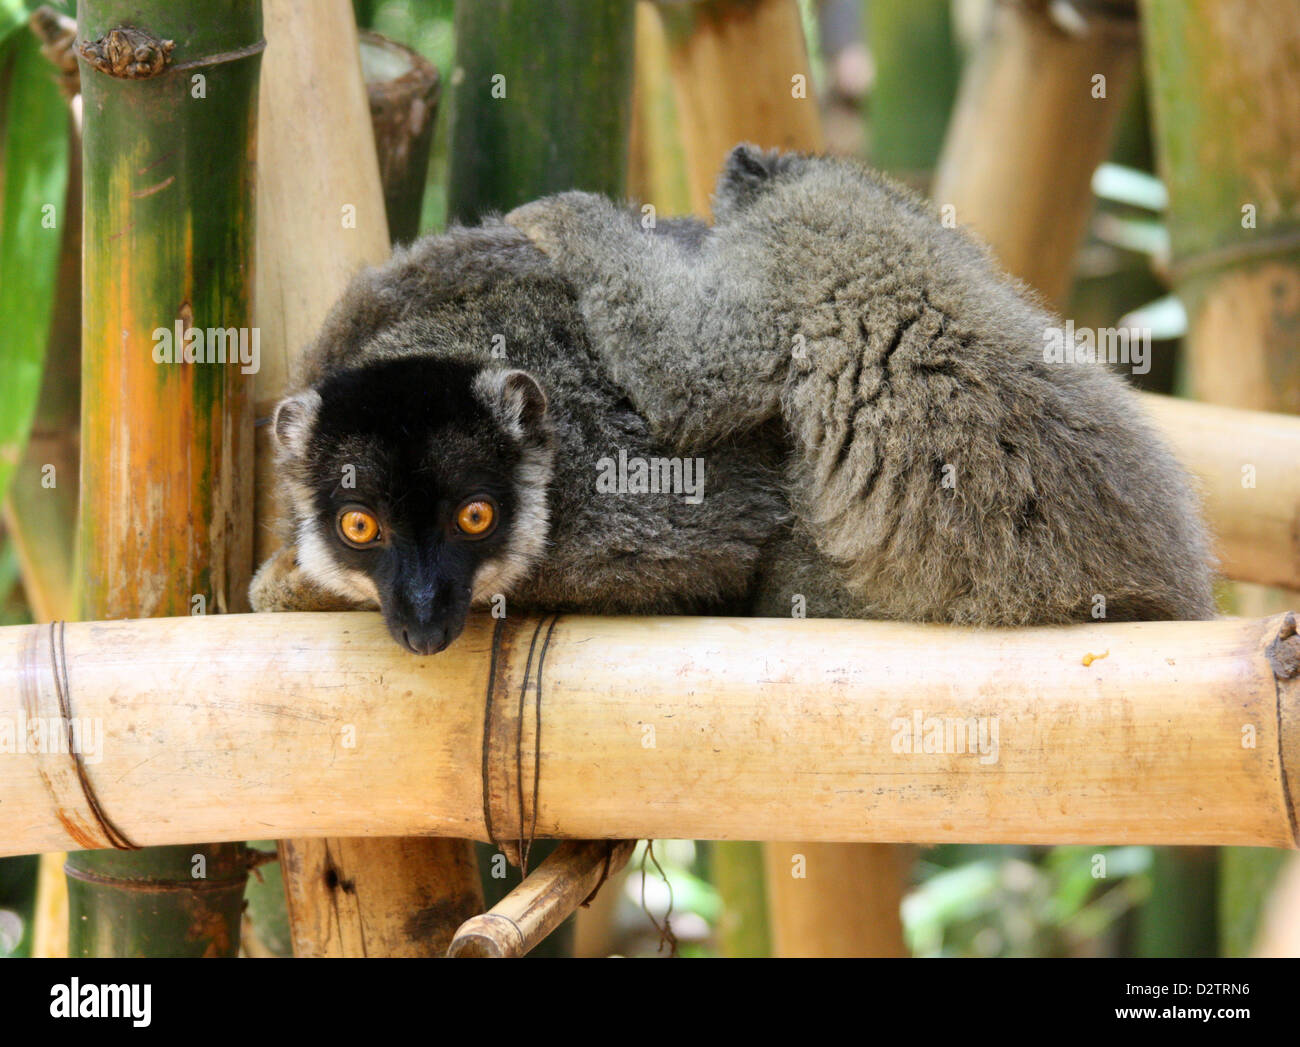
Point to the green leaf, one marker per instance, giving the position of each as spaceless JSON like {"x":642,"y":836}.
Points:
{"x":13,"y":14}
{"x":34,"y":149}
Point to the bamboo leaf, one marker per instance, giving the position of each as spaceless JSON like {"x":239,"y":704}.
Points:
{"x":13,"y":15}
{"x":1127,"y":185}
{"x":35,"y":157}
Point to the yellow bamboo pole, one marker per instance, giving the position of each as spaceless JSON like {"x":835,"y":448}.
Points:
{"x":219,"y":728}
{"x":713,"y":48}
{"x":322,"y":218}
{"x":1248,"y":467}
{"x":799,"y":878}
{"x":1034,"y":116}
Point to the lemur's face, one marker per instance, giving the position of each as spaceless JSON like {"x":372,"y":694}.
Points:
{"x":420,"y":486}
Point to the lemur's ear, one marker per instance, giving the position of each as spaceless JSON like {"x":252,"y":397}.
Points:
{"x":292,"y":421}
{"x":746,"y":174}
{"x":516,"y":399}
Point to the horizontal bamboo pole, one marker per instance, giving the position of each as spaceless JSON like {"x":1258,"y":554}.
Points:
{"x":1248,"y":465}
{"x":566,"y":880}
{"x":234,"y":727}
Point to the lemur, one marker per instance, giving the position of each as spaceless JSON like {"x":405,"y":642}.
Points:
{"x":881,"y":434}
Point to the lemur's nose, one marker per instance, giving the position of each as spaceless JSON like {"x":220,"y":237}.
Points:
{"x":426,"y":639}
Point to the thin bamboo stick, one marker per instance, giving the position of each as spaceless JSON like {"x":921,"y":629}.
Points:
{"x":705,"y":728}
{"x":543,"y":901}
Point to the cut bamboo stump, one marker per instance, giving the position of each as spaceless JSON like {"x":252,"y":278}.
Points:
{"x":1034,"y":117}
{"x":562,"y":883}
{"x":403,"y":90}
{"x":230,"y":727}
{"x":740,"y":73}
{"x":322,"y":219}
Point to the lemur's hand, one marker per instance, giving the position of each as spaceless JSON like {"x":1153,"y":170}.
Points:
{"x":573,"y":229}
{"x":280,"y":585}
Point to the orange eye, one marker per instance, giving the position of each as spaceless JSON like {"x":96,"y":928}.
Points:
{"x":358,"y":527}
{"x":475,"y":518}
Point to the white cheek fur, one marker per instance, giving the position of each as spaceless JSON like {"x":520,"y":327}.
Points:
{"x":529,"y":530}
{"x":318,"y":563}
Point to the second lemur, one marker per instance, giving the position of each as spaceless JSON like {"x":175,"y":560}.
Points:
{"x":880,"y":431}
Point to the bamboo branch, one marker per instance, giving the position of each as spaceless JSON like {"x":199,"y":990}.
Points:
{"x":530,"y":912}
{"x":1246,"y":462}
{"x":232,"y":727}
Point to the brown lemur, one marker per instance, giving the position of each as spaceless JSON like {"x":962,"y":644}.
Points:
{"x":881,"y":435}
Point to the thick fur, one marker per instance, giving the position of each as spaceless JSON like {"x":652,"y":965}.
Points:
{"x":455,"y":299}
{"x":897,"y":356}
{"x":882,"y":436}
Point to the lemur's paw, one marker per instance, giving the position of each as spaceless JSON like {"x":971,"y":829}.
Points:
{"x":280,"y":585}
{"x":557,"y":225}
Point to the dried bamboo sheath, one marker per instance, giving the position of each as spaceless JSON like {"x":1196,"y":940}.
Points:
{"x":221,"y":728}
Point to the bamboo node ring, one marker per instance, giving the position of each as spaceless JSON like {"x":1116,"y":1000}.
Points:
{"x":59,"y":668}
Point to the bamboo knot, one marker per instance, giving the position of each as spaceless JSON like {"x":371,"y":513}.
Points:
{"x":1284,"y":652}
{"x":128,"y":53}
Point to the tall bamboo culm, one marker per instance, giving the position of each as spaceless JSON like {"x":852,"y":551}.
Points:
{"x":170,"y":115}
{"x":1225,"y":91}
{"x":1035,"y":114}
{"x":319,"y":183}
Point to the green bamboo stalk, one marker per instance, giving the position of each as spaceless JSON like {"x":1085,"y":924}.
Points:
{"x":736,"y":869}
{"x":917,"y":69}
{"x":543,"y":101}
{"x":170,"y":102}
{"x":1223,"y":76}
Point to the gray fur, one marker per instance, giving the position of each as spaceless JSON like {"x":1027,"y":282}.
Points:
{"x":890,"y":347}
{"x":833,"y":352}
{"x":448,"y":296}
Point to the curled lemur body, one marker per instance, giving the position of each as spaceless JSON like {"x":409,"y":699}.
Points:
{"x":881,"y":433}
{"x":458,"y":374}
